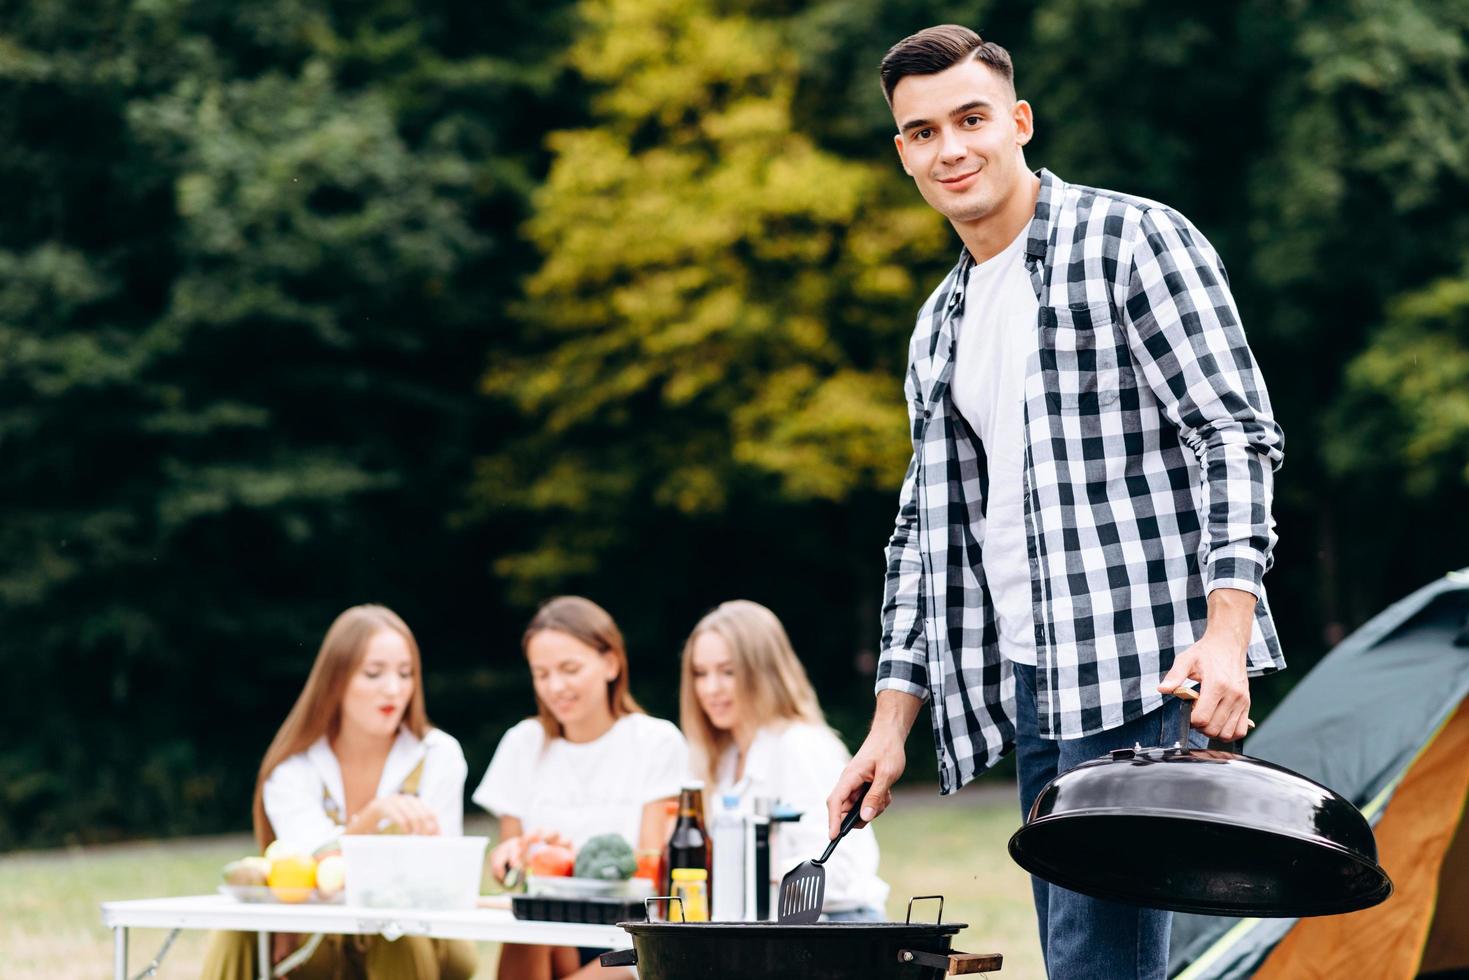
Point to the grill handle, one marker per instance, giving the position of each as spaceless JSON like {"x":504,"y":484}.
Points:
{"x":1188,"y":692}
{"x":925,"y":898}
{"x":619,"y":957}
{"x":954,"y":963}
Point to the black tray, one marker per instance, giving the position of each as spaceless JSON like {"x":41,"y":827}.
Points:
{"x":597,"y":911}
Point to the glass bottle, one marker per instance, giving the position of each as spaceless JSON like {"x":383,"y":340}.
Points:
{"x":661,"y":881}
{"x":689,"y":845}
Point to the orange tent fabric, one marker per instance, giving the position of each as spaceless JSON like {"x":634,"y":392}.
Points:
{"x":1448,"y":943}
{"x":1416,"y":832}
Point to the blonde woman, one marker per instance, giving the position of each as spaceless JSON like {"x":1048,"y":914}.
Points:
{"x":355,"y":755}
{"x":755,"y":729}
{"x":589,"y":763}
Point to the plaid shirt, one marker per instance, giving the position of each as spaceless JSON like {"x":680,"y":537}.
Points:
{"x":1149,"y":458}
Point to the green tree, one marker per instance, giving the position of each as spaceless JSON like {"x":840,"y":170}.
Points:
{"x":255,"y":259}
{"x":1357,"y":199}
{"x":722,"y":305}
{"x":1403,"y":423}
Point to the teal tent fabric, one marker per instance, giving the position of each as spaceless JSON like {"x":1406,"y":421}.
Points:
{"x":1355,"y":724}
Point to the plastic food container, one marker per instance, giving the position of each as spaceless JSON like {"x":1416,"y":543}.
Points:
{"x":556,"y":886}
{"x":394,"y":871}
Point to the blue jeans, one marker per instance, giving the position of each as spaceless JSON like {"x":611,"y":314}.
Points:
{"x":1086,"y":938}
{"x":855,"y":915}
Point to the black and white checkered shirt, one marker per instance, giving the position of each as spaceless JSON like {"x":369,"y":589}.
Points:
{"x":1150,"y":449}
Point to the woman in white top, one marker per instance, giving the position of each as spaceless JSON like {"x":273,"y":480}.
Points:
{"x":590,"y":762}
{"x":357,"y":755}
{"x":755,"y":729}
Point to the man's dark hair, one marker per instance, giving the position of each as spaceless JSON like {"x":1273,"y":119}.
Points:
{"x":935,"y":49}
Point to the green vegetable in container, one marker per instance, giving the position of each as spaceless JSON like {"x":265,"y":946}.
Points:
{"x":608,"y":857}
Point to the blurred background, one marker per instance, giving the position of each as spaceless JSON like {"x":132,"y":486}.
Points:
{"x":455,"y":306}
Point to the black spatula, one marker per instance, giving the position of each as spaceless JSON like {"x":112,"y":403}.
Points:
{"x":804,"y":886}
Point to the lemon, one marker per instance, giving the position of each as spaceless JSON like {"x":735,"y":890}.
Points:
{"x":292,"y":877}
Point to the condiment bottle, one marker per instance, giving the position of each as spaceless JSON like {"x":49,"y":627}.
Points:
{"x":691,"y":888}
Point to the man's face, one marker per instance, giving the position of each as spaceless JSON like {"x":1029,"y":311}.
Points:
{"x":959,"y":136}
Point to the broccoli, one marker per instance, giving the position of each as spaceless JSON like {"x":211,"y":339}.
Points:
{"x":607,"y":857}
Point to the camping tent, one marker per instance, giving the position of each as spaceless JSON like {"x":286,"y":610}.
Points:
{"x":1384,"y":721}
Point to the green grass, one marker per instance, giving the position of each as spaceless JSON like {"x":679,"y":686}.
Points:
{"x":956,"y":848}
{"x":50,"y":924}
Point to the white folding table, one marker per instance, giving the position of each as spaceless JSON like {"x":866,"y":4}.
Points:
{"x":225,"y":913}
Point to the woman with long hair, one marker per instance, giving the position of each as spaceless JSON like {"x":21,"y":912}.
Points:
{"x":755,"y":729}
{"x":357,"y":755}
{"x":589,"y":763}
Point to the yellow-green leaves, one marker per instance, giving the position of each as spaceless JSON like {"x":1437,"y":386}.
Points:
{"x":722,"y":302}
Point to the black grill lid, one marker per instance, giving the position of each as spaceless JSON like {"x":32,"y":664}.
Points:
{"x":1201,"y":831}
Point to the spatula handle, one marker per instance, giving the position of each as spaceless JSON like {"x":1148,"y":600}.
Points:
{"x":847,"y":822}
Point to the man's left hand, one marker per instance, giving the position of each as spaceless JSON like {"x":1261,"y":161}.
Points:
{"x":1217,"y":661}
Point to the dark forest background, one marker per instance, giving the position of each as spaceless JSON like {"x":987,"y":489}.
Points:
{"x":455,"y":307}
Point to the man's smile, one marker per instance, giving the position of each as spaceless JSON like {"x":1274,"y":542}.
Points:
{"x":959,"y":180}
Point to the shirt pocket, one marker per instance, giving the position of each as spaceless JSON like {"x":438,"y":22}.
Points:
{"x":1085,"y":364}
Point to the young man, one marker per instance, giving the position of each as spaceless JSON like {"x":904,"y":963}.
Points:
{"x":1086,"y":519}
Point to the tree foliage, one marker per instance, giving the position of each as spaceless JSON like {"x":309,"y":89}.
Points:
{"x":722,"y":304}
{"x":1404,"y":419}
{"x":254,"y":259}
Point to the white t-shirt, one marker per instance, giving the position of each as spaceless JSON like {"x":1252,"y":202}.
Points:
{"x":996,"y":338}
{"x":303,"y":792}
{"x":797,"y":764}
{"x":582,"y":789}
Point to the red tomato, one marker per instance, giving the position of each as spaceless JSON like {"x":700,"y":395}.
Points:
{"x":549,"y":860}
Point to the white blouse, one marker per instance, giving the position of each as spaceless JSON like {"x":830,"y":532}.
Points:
{"x":798,"y":764}
{"x":304,"y":792}
{"x":582,"y":789}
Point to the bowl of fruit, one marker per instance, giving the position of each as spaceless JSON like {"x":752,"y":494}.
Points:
{"x":286,"y":874}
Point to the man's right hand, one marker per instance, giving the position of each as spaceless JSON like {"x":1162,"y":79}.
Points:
{"x":880,"y":761}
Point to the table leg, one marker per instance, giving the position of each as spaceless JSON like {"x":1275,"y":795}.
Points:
{"x":120,"y":952}
{"x":262,"y":955}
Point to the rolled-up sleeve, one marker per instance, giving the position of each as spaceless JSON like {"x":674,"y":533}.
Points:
{"x":1185,"y":334}
{"x":292,"y":796}
{"x":442,"y":790}
{"x":903,"y":664}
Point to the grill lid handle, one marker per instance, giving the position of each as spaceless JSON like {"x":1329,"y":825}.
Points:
{"x":1186,"y":692}
{"x":954,"y":963}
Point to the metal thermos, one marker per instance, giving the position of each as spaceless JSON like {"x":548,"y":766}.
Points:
{"x":758,"y":884}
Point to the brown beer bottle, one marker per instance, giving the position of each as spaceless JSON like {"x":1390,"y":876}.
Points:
{"x":689,"y":845}
{"x":663,"y":880}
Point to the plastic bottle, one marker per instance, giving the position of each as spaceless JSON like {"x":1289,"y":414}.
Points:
{"x":691,"y":887}
{"x":727,"y":832}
